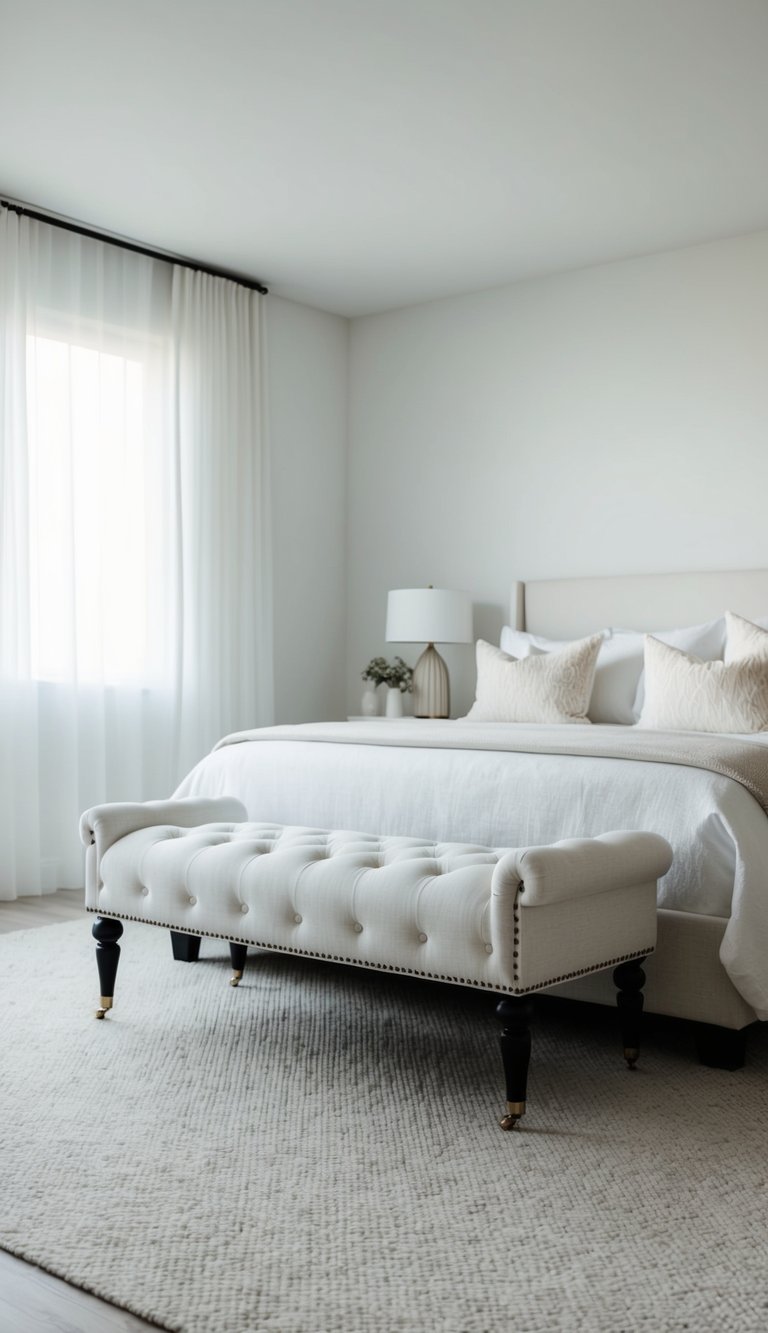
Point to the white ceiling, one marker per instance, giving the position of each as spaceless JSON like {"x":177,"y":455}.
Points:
{"x":365,"y":154}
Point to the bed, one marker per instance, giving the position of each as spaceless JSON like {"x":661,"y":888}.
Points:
{"x":507,"y":785}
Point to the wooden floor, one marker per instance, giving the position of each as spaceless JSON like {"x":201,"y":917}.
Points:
{"x":24,"y":913}
{"x":32,"y":1301}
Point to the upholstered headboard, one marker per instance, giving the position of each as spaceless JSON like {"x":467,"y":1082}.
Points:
{"x":571,"y":608}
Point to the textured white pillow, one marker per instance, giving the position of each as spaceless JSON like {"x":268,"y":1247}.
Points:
{"x":706,"y":642}
{"x":617,"y":692}
{"x":744,"y":638}
{"x":547,"y":687}
{"x":682,"y":693}
{"x":618,"y":670}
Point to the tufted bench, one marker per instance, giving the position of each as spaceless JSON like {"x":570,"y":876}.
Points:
{"x":507,"y":921}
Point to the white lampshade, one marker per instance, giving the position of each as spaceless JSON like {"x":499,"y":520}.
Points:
{"x":429,"y":615}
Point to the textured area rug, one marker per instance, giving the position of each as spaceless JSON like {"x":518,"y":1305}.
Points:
{"x":317,"y":1152}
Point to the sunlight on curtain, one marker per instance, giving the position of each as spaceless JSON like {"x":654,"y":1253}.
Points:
{"x":135,"y":613}
{"x":85,"y":412}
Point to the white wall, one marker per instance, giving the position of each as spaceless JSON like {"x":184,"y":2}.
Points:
{"x":610,"y":420}
{"x":307,"y":389}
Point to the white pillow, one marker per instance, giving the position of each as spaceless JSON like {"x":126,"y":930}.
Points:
{"x":683,"y":693}
{"x":617,"y":694}
{"x":745,"y":638}
{"x":706,"y":642}
{"x":547,"y":687}
{"x":519,"y":643}
{"x":619,"y":664}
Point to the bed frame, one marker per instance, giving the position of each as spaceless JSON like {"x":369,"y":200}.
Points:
{"x":685,"y":976}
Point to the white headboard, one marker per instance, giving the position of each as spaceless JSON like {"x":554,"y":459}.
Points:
{"x":571,"y":608}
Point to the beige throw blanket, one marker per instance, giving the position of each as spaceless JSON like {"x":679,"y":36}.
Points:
{"x":742,"y":758}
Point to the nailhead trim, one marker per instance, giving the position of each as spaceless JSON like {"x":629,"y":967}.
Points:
{"x":568,"y":976}
{"x":382,"y":967}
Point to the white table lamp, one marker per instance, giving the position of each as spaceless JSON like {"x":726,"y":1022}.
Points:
{"x":429,"y":615}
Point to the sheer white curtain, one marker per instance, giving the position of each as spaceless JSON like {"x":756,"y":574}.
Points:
{"x":135,"y":610}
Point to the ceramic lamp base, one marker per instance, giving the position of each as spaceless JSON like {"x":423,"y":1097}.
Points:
{"x":431,"y":691}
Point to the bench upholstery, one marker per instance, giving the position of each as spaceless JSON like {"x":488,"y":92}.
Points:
{"x":511,"y":921}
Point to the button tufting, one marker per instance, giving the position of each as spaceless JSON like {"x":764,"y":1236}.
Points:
{"x":298,"y":918}
{"x":144,"y":891}
{"x":422,"y":937}
{"x":357,"y":927}
{"x":489,"y":948}
{"x":192,"y":901}
{"x":243,"y":907}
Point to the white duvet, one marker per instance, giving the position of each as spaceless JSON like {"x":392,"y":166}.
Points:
{"x":717,"y":830}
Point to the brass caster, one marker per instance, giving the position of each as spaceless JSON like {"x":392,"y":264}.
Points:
{"x":235,"y":979}
{"x":106,"y":1004}
{"x":631,"y":1055}
{"x":515,"y":1112}
{"x":509,"y":1121}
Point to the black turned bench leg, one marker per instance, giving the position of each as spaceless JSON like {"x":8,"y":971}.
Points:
{"x":721,"y":1048}
{"x":629,"y":978}
{"x":106,"y":931}
{"x":186,"y":948}
{"x":515,"y":1013}
{"x":238,"y":954}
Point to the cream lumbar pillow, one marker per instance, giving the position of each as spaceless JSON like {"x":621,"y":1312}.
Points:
{"x":683,"y":693}
{"x":551,"y":687}
{"x":744,"y":639}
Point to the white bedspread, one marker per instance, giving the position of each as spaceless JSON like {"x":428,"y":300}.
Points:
{"x":718,"y":831}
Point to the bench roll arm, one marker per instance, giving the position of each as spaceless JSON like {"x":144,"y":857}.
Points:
{"x":103,"y":825}
{"x":582,"y":867}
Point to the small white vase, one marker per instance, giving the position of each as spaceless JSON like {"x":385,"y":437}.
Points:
{"x":394,"y":702}
{"x":369,"y":705}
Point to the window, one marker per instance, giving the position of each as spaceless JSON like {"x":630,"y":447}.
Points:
{"x":89,"y":510}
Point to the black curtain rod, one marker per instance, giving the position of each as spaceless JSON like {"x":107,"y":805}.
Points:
{"x":251,"y":283}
